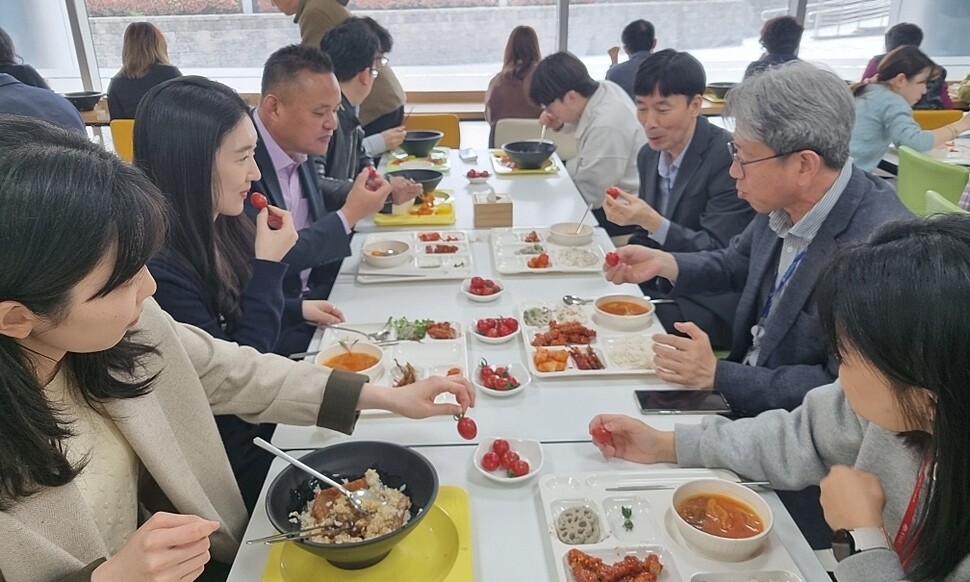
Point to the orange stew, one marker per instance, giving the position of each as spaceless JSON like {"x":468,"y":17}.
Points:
{"x":351,"y":361}
{"x":721,"y":516}
{"x":623,"y":308}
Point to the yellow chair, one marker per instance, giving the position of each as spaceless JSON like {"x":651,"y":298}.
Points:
{"x":937,"y":204}
{"x":123,"y":136}
{"x":919,"y":173}
{"x":930,"y":119}
{"x":446,"y":123}
{"x":517,"y":129}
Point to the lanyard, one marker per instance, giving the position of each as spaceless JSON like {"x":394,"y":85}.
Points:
{"x":904,"y":550}
{"x":781,"y":284}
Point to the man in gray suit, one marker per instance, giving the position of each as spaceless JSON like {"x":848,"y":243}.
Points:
{"x":791,"y":162}
{"x":688,"y":200}
{"x":638,"y":42}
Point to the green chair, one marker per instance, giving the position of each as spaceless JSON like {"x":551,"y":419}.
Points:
{"x":919,"y":173}
{"x":937,"y":204}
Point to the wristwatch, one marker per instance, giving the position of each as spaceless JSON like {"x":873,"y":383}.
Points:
{"x":848,"y":542}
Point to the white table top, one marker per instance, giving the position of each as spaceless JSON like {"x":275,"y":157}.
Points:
{"x":957,"y":154}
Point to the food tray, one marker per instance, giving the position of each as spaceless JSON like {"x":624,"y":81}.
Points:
{"x":508,"y":242}
{"x":422,"y":265}
{"x":550,"y":167}
{"x":444,"y":213}
{"x":439,"y":549}
{"x":439,"y":159}
{"x":653,"y":528}
{"x":606,"y":342}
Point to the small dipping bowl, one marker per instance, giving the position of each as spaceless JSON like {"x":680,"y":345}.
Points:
{"x":386,"y":253}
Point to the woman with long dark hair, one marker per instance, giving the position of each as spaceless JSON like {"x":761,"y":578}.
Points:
{"x":889,"y":441}
{"x":144,"y":64}
{"x":884,"y":109}
{"x":106,"y":402}
{"x":13,"y":65}
{"x":508,"y":91}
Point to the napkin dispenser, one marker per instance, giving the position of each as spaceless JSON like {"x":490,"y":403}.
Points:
{"x":492,"y":210}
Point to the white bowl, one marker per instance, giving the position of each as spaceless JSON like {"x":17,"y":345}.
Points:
{"x":516,"y":370}
{"x":564,"y":233}
{"x":528,"y":450}
{"x":473,"y":330}
{"x":467,"y":283}
{"x":624,"y":322}
{"x":714,"y":547}
{"x":374,"y":372}
{"x":386,"y":253}
{"x":479,"y":180}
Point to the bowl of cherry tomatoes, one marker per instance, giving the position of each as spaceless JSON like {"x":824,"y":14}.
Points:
{"x":478,"y":176}
{"x":500,"y":381}
{"x":481,"y":289}
{"x":508,"y":461}
{"x":495,"y":330}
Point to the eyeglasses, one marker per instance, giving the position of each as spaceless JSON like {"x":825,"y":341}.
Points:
{"x":381,"y":62}
{"x":374,"y":72}
{"x":733,"y":149}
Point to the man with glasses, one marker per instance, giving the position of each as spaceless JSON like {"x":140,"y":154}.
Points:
{"x":687,"y":200}
{"x":355,"y":51}
{"x":791,"y":162}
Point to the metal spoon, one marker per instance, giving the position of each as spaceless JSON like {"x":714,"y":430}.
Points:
{"x":542,"y":134}
{"x":579,"y":226}
{"x":574,"y":300}
{"x":301,"y":355}
{"x":356,"y":498}
{"x":378,"y":336}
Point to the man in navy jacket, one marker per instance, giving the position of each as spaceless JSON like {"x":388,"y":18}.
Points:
{"x":20,"y":99}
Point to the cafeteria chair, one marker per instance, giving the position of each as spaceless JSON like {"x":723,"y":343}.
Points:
{"x":518,"y":129}
{"x":936,"y":203}
{"x":123,"y":137}
{"x":930,"y":119}
{"x":919,"y":172}
{"x":446,"y":123}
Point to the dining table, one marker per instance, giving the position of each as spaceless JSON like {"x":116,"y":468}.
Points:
{"x":509,"y":533}
{"x":956,"y":152}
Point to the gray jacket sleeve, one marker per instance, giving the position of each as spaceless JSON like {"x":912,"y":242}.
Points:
{"x":878,"y":564}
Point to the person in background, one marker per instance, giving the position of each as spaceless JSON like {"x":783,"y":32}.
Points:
{"x":887,"y":441}
{"x":13,"y":65}
{"x":19,"y":99}
{"x":688,"y":200}
{"x":604,"y":121}
{"x":780,"y":36}
{"x":508,"y":91}
{"x":144,"y":64}
{"x":119,"y":444}
{"x":639,"y":40}
{"x":391,"y":138}
{"x":906,"y":34}
{"x":884,"y":113}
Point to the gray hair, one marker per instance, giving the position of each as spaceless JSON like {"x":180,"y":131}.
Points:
{"x":792,"y":107}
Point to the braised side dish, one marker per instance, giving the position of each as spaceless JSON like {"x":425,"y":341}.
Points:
{"x":721,"y":516}
{"x":587,"y":568}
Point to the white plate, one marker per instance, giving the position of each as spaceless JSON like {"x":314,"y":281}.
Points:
{"x":473,"y":331}
{"x":467,"y":283}
{"x":506,"y":241}
{"x":421,"y":264}
{"x":528,"y":450}
{"x":517,"y":371}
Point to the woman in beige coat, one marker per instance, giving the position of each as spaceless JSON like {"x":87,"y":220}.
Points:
{"x":106,"y":403}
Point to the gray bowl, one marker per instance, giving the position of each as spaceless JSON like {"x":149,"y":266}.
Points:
{"x":420,"y":143}
{"x":529,"y":154}
{"x":84,"y":100}
{"x":720,"y":90}
{"x":429,"y":179}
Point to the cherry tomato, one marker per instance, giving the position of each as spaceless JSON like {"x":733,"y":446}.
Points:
{"x":613,"y":192}
{"x":509,"y":458}
{"x":471,"y":173}
{"x":519,"y":469}
{"x":491,"y":461}
{"x":612,"y":259}
{"x":258,"y":200}
{"x":467,"y":427}
{"x":601,"y":435}
{"x":500,"y":447}
{"x":371,"y":171}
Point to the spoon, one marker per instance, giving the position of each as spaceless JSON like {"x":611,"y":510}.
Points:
{"x":542,"y":134}
{"x":356,"y":498}
{"x":574,"y":300}
{"x":301,"y":355}
{"x":579,"y":225}
{"x":378,"y":336}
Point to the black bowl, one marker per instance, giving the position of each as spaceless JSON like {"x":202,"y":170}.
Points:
{"x":420,"y":143}
{"x":529,"y":154}
{"x":429,"y":179}
{"x":720,"y":90}
{"x":397,"y":466}
{"x":84,"y":100}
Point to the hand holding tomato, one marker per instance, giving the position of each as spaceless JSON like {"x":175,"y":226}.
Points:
{"x":417,"y":400}
{"x":259,"y":202}
{"x":275,"y":234}
{"x":631,"y":439}
{"x":638,"y":264}
{"x":625,"y":209}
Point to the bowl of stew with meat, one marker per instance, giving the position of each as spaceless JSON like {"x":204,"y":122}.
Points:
{"x":721,"y":519}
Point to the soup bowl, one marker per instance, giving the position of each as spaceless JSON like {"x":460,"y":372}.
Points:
{"x":386,"y":253}
{"x":397,"y":466}
{"x":374,"y":371}
{"x":429,"y":179}
{"x":716,"y":547}
{"x":84,"y":100}
{"x":623,"y":312}
{"x":720,"y":90}
{"x":529,"y":154}
{"x":420,"y":143}
{"x":570,"y":234}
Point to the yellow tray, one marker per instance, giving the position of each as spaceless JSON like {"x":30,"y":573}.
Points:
{"x":439,"y":159}
{"x":713,"y":98}
{"x":444,"y":213}
{"x":549,"y":167}
{"x":438,"y":550}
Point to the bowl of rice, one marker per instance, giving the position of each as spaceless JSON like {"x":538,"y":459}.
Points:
{"x":405,"y":479}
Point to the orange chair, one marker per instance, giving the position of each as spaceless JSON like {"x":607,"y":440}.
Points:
{"x":446,"y":123}
{"x":123,"y":136}
{"x":930,"y":119}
